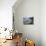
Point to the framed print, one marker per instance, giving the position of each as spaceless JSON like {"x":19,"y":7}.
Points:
{"x":28,"y":20}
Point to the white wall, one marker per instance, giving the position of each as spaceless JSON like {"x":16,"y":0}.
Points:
{"x":29,"y":8}
{"x":43,"y":22}
{"x":6,"y":13}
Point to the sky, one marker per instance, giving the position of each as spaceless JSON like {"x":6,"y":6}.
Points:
{"x":6,"y":13}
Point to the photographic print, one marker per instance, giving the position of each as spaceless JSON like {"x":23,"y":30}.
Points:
{"x":28,"y":20}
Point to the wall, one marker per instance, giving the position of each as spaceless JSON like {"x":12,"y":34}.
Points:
{"x":29,"y":8}
{"x":43,"y":22}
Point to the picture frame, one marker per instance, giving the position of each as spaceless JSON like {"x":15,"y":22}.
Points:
{"x":28,"y":20}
